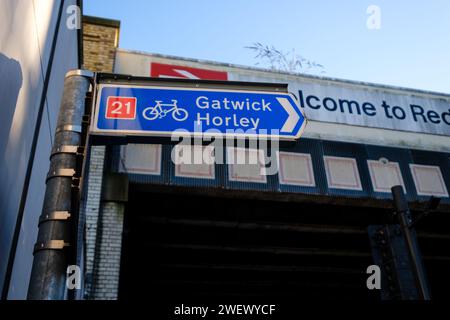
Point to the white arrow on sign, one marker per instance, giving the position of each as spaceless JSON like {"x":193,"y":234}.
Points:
{"x":293,"y":116}
{"x":185,"y":74}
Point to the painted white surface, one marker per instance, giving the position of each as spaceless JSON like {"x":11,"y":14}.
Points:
{"x":296,"y":169}
{"x":194,"y":161}
{"x":385,"y":175}
{"x":329,"y":102}
{"x":246,"y":165}
{"x":141,"y":159}
{"x":428,"y":180}
{"x":342,"y":173}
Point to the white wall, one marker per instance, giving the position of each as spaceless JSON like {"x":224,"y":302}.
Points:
{"x":27,"y":29}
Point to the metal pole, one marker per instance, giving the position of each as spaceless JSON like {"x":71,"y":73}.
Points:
{"x":404,"y":216}
{"x":51,"y":257}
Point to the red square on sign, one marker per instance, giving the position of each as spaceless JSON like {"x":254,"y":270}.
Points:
{"x":121,"y":108}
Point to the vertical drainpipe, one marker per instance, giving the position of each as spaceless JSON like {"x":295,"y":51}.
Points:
{"x":51,"y":255}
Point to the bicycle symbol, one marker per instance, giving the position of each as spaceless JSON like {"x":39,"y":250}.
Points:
{"x":157,"y":112}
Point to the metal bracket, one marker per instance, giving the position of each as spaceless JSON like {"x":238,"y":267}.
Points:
{"x":69,"y":127}
{"x":55,"y":216}
{"x":76,"y":183}
{"x":431,"y":205}
{"x":76,"y":150}
{"x":68,"y":173}
{"x":86,"y":120}
{"x":50,"y":245}
{"x":80,"y":72}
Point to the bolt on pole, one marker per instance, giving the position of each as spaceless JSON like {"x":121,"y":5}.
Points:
{"x":51,"y":255}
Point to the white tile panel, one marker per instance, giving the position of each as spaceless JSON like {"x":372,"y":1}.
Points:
{"x":141,"y":159}
{"x":428,"y":180}
{"x":194,"y":161}
{"x":342,"y":173}
{"x":385,"y":175}
{"x":296,"y":169}
{"x":246,"y":165}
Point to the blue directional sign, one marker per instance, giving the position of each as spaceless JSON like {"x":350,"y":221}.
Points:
{"x":161,"y":111}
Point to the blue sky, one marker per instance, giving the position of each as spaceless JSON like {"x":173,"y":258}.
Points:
{"x":412,"y":48}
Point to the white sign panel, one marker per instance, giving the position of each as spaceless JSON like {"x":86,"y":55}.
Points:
{"x":337,"y":110}
{"x":366,"y":106}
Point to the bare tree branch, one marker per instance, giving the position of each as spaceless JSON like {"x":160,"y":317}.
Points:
{"x":288,"y":61}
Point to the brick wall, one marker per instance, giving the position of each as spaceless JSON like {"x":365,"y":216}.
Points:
{"x":103,"y":220}
{"x":91,"y":212}
{"x":107,"y":255}
{"x":103,"y":232}
{"x":100,"y":40}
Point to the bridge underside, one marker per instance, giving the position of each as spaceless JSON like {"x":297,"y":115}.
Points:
{"x":181,"y":243}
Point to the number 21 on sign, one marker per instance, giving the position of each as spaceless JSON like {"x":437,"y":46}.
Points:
{"x":121,"y":108}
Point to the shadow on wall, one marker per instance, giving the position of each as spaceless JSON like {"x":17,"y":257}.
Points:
{"x":11,"y":80}
{"x":10,"y":83}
